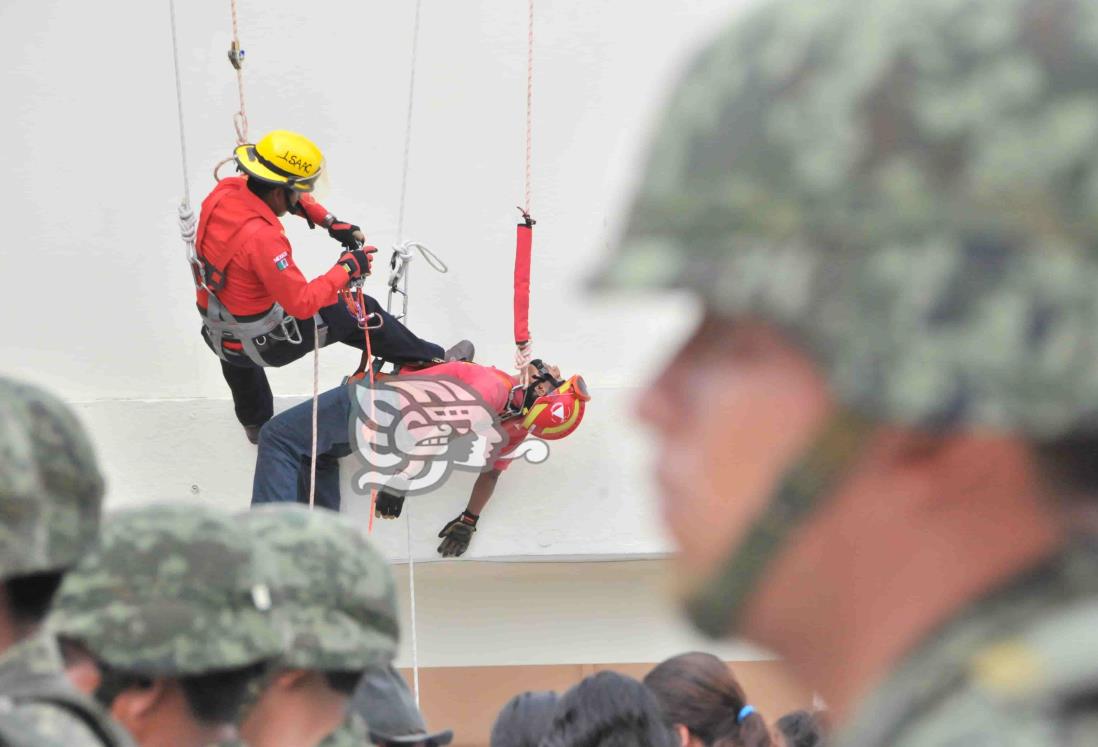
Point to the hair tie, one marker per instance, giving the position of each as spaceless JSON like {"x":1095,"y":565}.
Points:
{"x":746,"y":711}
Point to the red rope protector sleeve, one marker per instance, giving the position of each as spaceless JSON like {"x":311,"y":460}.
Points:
{"x":524,"y":240}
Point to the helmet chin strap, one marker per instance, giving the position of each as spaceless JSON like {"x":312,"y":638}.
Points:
{"x":717,"y":606}
{"x":529,"y":396}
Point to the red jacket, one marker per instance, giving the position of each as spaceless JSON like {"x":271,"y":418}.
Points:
{"x":243,"y":238}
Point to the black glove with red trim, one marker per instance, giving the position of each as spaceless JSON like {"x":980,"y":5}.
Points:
{"x":348,"y":234}
{"x":358,"y":261}
{"x":457,"y":534}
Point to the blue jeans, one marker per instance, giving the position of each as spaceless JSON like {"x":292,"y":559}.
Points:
{"x":284,"y":462}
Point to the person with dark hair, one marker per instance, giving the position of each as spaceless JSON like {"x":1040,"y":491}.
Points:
{"x":175,"y":609}
{"x":339,"y":603}
{"x":257,"y":308}
{"x":705,"y":704}
{"x":51,"y":493}
{"x":799,"y":729}
{"x":383,"y":712}
{"x":609,"y":710}
{"x":877,"y":448}
{"x":524,"y":720}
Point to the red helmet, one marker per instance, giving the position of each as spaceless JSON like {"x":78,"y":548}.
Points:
{"x":558,"y":413}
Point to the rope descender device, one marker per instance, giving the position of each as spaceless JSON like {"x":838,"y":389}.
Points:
{"x":236,"y":55}
{"x":352,"y":298}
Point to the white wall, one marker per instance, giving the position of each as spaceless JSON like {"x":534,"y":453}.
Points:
{"x":98,"y":298}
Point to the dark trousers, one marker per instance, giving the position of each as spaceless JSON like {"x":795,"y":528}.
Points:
{"x":252,"y":399}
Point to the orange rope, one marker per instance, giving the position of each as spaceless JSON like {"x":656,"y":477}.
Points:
{"x":369,"y":373}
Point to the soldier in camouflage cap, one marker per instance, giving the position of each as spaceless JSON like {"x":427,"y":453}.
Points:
{"x":175,"y":607}
{"x":338,"y":597}
{"x":50,"y":497}
{"x":878,"y":446}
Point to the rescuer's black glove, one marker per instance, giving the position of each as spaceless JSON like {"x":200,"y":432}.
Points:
{"x":457,"y":534}
{"x":388,"y":505}
{"x":358,"y":261}
{"x":348,"y":234}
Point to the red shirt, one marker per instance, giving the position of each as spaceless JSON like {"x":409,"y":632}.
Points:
{"x":494,"y":387}
{"x":241,"y":236}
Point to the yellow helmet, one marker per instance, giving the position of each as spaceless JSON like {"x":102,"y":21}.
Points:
{"x":282,"y":157}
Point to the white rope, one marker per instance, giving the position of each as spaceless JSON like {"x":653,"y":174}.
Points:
{"x":316,"y":399}
{"x":529,"y":101}
{"x":236,"y":56}
{"x":188,"y":221}
{"x":404,"y":253}
{"x":179,"y":109}
{"x":412,"y":597}
{"x":408,"y":124}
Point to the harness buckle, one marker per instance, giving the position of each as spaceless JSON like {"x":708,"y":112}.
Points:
{"x":215,"y":278}
{"x":290,"y":331}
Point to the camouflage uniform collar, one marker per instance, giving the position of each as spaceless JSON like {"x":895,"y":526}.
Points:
{"x":716,"y":607}
{"x":37,"y":654}
{"x":953,"y":658}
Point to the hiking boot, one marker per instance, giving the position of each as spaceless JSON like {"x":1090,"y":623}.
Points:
{"x":461,"y":351}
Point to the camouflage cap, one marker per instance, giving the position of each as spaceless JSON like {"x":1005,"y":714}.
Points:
{"x":909,"y":189}
{"x":334,"y":589}
{"x":172,"y":590}
{"x":51,"y":490}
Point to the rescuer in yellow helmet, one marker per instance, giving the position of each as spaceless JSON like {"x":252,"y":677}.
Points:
{"x":257,"y":307}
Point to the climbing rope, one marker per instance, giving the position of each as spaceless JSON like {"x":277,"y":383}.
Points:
{"x":240,"y":118}
{"x":179,"y":107}
{"x":188,"y":222}
{"x":400,"y":238}
{"x":236,"y":59}
{"x":412,"y":605}
{"x":524,"y":343}
{"x":529,"y":101}
{"x":316,"y":400}
{"x":402,"y":254}
{"x":408,"y":124}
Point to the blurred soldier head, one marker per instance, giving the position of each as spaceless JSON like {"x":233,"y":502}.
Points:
{"x":888,"y":212}
{"x":175,"y":608}
{"x":337,"y":594}
{"x":50,"y":496}
{"x":385,"y":702}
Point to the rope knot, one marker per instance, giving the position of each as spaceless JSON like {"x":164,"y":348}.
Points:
{"x":188,"y":223}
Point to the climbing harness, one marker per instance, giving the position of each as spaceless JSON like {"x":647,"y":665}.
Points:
{"x":231,"y":337}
